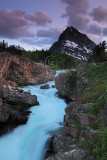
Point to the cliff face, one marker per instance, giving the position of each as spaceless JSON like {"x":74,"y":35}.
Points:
{"x":19,"y":71}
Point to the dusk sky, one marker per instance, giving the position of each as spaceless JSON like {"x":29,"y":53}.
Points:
{"x":36,"y":24}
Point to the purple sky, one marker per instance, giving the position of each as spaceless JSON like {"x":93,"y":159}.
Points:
{"x":36,"y":24}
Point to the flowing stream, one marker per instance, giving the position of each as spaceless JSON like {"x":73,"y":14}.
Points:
{"x":27,"y":142}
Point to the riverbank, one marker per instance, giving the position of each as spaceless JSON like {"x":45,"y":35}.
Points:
{"x":85,"y":120}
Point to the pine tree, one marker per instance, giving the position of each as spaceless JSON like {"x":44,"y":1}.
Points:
{"x":99,"y":52}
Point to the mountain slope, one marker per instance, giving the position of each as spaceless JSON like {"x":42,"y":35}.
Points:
{"x":73,"y":43}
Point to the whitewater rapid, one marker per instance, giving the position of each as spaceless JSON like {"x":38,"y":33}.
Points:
{"x":27,"y":142}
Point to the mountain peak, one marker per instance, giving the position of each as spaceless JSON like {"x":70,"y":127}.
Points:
{"x":73,"y":43}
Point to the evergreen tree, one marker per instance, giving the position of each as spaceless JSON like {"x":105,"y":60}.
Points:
{"x":99,"y":53}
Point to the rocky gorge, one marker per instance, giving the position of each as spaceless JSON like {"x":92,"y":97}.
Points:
{"x":83,"y":136}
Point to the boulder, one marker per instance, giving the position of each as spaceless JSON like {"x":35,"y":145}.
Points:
{"x":70,"y":84}
{"x":46,"y":86}
{"x":66,"y":83}
{"x":53,"y":86}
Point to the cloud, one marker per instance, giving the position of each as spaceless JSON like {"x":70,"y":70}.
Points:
{"x":77,"y":6}
{"x":50,"y":33}
{"x":17,"y":24}
{"x":94,"y":29}
{"x":76,"y":11}
{"x":40,"y":18}
{"x":105,"y":31}
{"x":80,"y":22}
{"x":99,"y":14}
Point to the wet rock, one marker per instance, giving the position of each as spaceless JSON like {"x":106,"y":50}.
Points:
{"x":46,"y":86}
{"x":53,"y":86}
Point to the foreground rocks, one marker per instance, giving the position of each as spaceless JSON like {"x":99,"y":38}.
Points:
{"x":14,"y":105}
{"x":77,"y":122}
{"x":15,"y":70}
{"x":65,"y":149}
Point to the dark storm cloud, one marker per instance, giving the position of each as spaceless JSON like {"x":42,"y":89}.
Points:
{"x":105,"y":31}
{"x":94,"y":29}
{"x":99,"y":14}
{"x":50,"y":33}
{"x":76,"y":11}
{"x":16,"y":24}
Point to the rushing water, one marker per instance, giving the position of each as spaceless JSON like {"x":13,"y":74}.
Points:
{"x":27,"y":142}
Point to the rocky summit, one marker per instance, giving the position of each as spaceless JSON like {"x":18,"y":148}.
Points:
{"x":74,"y":43}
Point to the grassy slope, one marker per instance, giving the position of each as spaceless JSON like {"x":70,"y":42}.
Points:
{"x":97,"y":94}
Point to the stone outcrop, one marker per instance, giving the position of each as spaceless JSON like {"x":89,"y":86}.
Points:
{"x":70,"y":84}
{"x":66,"y":150}
{"x":16,"y":70}
{"x":14,"y":105}
{"x":66,"y":83}
{"x":77,"y":122}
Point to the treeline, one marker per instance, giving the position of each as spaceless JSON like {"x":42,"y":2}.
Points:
{"x":99,"y":53}
{"x":13,"y":49}
{"x":53,"y":59}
